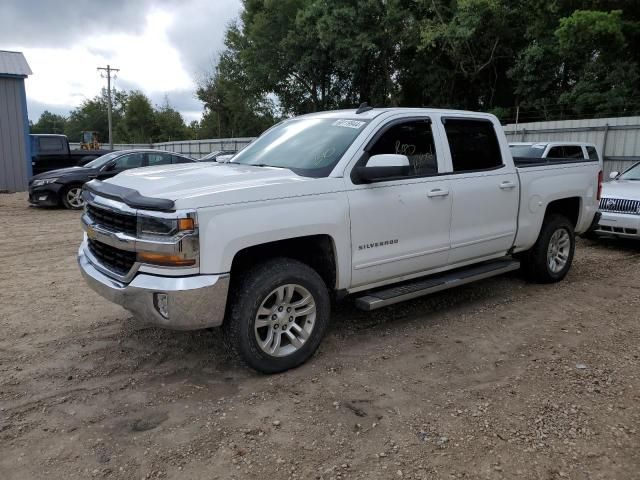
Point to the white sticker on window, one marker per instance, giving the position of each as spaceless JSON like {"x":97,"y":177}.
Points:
{"x":348,"y":123}
{"x":541,"y":147}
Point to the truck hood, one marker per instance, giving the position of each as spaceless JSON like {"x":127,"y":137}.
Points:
{"x":625,"y":189}
{"x":207,"y":184}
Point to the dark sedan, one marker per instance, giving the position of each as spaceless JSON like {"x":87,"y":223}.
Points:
{"x":64,"y":186}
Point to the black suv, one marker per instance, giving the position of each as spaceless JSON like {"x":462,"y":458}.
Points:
{"x":64,"y":186}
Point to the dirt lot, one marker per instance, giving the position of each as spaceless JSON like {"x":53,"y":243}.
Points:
{"x":501,"y":379}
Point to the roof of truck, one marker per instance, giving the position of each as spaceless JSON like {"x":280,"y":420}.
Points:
{"x":374,"y":112}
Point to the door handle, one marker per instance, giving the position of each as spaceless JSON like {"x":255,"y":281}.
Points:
{"x":438,"y":192}
{"x":507,"y":185}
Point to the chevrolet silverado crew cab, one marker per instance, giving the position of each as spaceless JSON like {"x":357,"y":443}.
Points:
{"x":383,"y":205}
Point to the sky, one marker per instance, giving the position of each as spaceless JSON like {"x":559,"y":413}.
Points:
{"x":162,"y":47}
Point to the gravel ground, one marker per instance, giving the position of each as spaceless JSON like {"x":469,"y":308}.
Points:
{"x":499,"y":379}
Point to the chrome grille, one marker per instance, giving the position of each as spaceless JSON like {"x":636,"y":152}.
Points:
{"x":118,"y":222}
{"x":620,"y":205}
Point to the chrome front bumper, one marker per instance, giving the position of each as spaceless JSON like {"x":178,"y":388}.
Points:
{"x":194,"y":302}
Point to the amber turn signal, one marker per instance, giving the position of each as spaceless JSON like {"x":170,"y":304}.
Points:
{"x":186,"y":224}
{"x":165,"y":260}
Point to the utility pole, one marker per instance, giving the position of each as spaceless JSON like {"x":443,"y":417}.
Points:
{"x":109,"y":69}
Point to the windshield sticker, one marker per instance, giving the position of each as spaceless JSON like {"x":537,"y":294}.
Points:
{"x":348,"y":123}
{"x":541,"y":147}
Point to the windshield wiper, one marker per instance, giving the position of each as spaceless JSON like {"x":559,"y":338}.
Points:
{"x":265,"y":165}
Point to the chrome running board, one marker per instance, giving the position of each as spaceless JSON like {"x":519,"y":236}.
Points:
{"x":424,"y":286}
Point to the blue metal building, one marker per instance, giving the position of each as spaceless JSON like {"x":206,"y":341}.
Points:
{"x":15,"y":147}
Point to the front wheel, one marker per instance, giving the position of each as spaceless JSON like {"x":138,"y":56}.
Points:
{"x":279,"y":315}
{"x":72,"y":197}
{"x":550,"y":258}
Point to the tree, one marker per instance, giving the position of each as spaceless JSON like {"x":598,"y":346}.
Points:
{"x":593,"y":48}
{"x":138,"y":122}
{"x":169,"y":124}
{"x":91,"y":115}
{"x":550,"y":57}
{"x":49,"y":123}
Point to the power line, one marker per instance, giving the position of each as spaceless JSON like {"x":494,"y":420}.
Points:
{"x":109,"y":69}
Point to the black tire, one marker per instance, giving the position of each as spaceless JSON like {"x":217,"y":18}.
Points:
{"x":64,"y":197}
{"x":258,"y":286}
{"x":535,"y":262}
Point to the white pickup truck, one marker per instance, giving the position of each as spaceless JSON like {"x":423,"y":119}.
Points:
{"x":383,"y":205}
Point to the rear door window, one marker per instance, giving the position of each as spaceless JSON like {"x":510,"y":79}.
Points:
{"x":573,"y":151}
{"x":593,"y":154}
{"x":154,"y":159}
{"x":555,"y":152}
{"x":132,"y":160}
{"x":473,"y":144}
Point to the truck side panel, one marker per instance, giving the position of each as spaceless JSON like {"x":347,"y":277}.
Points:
{"x":230,"y":229}
{"x":539,"y":186}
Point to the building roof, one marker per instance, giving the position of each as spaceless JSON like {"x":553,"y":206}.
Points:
{"x":14,"y":63}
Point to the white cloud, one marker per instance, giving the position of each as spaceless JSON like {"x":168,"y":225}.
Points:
{"x":167,"y":49}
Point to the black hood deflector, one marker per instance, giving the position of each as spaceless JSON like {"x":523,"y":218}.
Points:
{"x":131,"y":197}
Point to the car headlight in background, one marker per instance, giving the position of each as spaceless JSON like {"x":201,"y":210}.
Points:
{"x":44,"y":181}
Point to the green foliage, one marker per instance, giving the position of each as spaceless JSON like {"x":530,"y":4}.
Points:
{"x":49,"y":123}
{"x":553,"y":58}
{"x":169,"y":124}
{"x":135,"y":120}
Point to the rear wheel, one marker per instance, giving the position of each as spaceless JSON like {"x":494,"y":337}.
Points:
{"x":279,"y":315}
{"x":72,"y":197}
{"x":550,"y":258}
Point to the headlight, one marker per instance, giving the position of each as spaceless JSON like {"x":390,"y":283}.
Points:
{"x":164,"y":227}
{"x":45,"y":181}
{"x":180,"y":232}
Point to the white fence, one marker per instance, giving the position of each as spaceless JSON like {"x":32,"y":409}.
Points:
{"x":191,"y":148}
{"x":618,"y":137}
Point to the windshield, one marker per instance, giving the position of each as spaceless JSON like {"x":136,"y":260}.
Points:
{"x":308,"y":146}
{"x":103,"y":160}
{"x":527,"y":151}
{"x":632,"y":174}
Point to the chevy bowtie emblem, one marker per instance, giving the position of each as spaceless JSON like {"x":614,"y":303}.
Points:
{"x":91,"y":233}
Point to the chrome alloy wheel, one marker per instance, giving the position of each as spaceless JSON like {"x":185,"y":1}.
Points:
{"x":285,"y":320}
{"x":74,"y":197}
{"x":558,"y":250}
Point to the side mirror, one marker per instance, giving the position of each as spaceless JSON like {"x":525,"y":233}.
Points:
{"x":381,"y":167}
{"x":614,"y":175}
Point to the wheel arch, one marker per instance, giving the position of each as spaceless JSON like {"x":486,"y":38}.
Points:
{"x":567,"y":207}
{"x":317,"y":251}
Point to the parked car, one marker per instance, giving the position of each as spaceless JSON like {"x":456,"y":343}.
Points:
{"x":52,"y":152}
{"x":213,"y":156}
{"x":552,"y":151}
{"x":620,"y":205}
{"x":64,"y":186}
{"x":383,"y":205}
